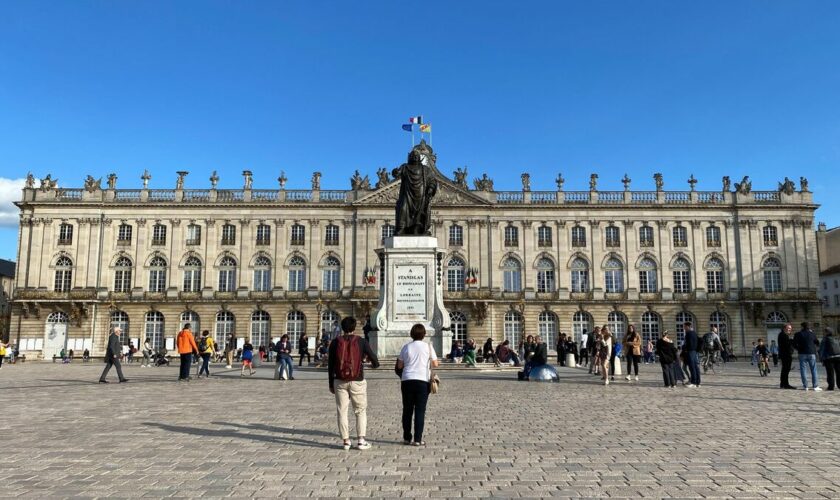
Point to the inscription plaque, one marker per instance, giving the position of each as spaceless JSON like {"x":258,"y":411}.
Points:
{"x":410,"y":292}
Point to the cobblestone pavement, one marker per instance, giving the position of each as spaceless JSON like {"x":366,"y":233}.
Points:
{"x":488,"y":435}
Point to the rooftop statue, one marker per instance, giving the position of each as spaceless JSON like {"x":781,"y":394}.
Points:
{"x":30,"y":180}
{"x":383,"y":179}
{"x":418,"y":186}
{"x":92,"y":184}
{"x":745,"y":186}
{"x":461,"y":177}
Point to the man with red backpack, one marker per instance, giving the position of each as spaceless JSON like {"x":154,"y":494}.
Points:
{"x":347,"y":380}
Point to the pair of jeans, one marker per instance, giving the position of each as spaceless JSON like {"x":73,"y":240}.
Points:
{"x":108,"y":364}
{"x":669,"y":375}
{"x":415,"y":395}
{"x":347,"y":393}
{"x":285,"y":360}
{"x":205,"y":364}
{"x":633,"y":360}
{"x":694,"y":368}
{"x":186,"y":359}
{"x":308,"y":357}
{"x":787,"y":361}
{"x":832,"y":370}
{"x":808,"y":361}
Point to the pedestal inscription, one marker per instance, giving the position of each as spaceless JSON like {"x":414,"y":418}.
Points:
{"x":410,"y":293}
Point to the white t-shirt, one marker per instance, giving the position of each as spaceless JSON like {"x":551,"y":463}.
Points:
{"x":415,"y":358}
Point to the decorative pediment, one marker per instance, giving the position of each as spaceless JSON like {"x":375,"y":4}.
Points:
{"x":448,"y":194}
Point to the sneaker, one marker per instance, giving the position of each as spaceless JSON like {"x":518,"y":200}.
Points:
{"x":363,"y":445}
{"x":346,"y":445}
{"x":606,"y":381}
{"x":817,"y":389}
{"x":637,"y":378}
{"x":228,"y":367}
{"x":627,"y":378}
{"x":691,"y":386}
{"x":806,"y":388}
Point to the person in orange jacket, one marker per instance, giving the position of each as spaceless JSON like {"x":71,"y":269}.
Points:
{"x":186,"y":348}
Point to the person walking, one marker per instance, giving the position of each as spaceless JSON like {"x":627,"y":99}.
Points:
{"x":230,"y":350}
{"x":283,"y":348}
{"x":112,"y":356}
{"x":830,"y":357}
{"x":206,"y":347}
{"x":606,"y":349}
{"x":692,"y":346}
{"x":774,"y":351}
{"x":785,"y":355}
{"x":806,"y":344}
{"x":187,"y":348}
{"x":347,"y":381}
{"x":594,"y":349}
{"x":247,"y":358}
{"x":147,"y":353}
{"x":303,"y":350}
{"x":584,"y":350}
{"x":633,"y":347}
{"x":667,"y":354}
{"x":416,"y":360}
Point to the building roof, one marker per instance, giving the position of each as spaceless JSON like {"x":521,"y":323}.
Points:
{"x":7,"y":268}
{"x":831,"y":270}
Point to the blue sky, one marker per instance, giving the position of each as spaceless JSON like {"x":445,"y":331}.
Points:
{"x":710,"y":88}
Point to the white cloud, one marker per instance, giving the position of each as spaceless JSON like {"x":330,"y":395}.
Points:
{"x":9,"y":193}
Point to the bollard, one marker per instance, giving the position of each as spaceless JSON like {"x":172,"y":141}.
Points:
{"x":570,"y":360}
{"x":617,"y":366}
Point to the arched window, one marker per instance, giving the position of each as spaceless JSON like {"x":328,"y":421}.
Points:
{"x":512,"y":275}
{"x":63,"y":274}
{"x":580,"y":276}
{"x":225,"y":325}
{"x":192,"y":318}
{"x":546,"y":281}
{"x":547,"y":326}
{"x":260,"y":329}
{"x":227,"y":274}
{"x":714,"y":276}
{"x":192,"y":275}
{"x":718,"y":319}
{"x":459,"y":326}
{"x":681,"y":319}
{"x":776,"y":318}
{"x":581,"y":322}
{"x":456,"y":235}
{"x":295,"y":326}
{"x":157,"y":275}
{"x":613,"y":276}
{"x":332,"y":275}
{"x":682,"y":276}
{"x":647,"y":276}
{"x":455,"y":270}
{"x":650,"y":326}
{"x":154,"y":328}
{"x":297,"y":274}
{"x":513,"y":328}
{"x":772,"y":275}
{"x":262,"y":274}
{"x":119,"y":319}
{"x":122,"y":275}
{"x":713,"y":236}
{"x":617,"y":322}
{"x":329,"y":319}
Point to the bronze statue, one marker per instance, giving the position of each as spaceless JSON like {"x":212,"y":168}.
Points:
{"x":418,"y":186}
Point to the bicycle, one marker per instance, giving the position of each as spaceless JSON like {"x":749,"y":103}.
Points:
{"x":708,"y":362}
{"x":763,"y":366}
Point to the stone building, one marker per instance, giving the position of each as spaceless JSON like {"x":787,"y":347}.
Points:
{"x":7,"y":287}
{"x":828,"y":244}
{"x":262,"y":262}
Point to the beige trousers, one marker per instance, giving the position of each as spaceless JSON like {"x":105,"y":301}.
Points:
{"x":355,"y":393}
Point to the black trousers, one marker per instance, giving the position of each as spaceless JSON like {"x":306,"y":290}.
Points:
{"x":669,"y":375}
{"x":612,"y":365}
{"x":308,"y":357}
{"x":116,"y":364}
{"x":832,"y":370}
{"x":783,"y":376}
{"x":186,"y":359}
{"x":775,"y":360}
{"x":561,"y":357}
{"x":633,"y":361}
{"x":415,"y":395}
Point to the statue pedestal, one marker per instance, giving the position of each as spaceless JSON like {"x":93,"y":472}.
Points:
{"x":410,"y":292}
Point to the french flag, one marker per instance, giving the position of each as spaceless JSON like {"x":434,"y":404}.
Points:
{"x":416,"y":119}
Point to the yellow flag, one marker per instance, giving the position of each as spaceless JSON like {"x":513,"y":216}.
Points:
{"x":426,"y":128}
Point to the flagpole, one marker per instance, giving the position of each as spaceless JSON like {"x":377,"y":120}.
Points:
{"x":430,"y":137}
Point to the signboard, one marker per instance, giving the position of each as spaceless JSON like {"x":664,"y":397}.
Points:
{"x":410,"y":292}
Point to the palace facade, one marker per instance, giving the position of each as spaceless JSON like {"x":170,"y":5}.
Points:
{"x":263,"y":262}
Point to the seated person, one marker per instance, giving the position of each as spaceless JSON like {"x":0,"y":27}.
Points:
{"x":469,"y":352}
{"x":540,"y":357}
{"x":504,"y":354}
{"x":86,"y":356}
{"x":457,"y":353}
{"x":487,"y":352}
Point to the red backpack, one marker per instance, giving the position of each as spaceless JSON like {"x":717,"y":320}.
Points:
{"x":349,"y":358}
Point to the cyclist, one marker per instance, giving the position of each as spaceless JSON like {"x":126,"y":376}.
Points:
{"x":711,"y":346}
{"x":763,"y":355}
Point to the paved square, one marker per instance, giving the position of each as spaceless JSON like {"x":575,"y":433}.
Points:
{"x":488,"y":436}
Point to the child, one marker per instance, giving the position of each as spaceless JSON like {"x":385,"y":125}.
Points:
{"x":247,"y":357}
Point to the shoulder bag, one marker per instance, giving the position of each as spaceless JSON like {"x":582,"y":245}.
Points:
{"x":434,"y":381}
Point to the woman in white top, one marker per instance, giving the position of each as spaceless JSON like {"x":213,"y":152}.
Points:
{"x":416,"y":360}
{"x":606,"y":352}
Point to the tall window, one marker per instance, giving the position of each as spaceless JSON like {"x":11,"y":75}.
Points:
{"x":513,"y":328}
{"x":680,"y":236}
{"x":262,"y":274}
{"x":617,"y":322}
{"x":228,"y":234}
{"x":714,"y":276}
{"x":122,"y":275}
{"x":297,"y":274}
{"x":681,"y":318}
{"x":718,"y":319}
{"x":459,"y":326}
{"x":511,"y":236}
{"x":682,"y":276}
{"x":332,"y":275}
{"x":263,"y":234}
{"x":227,"y":274}
{"x":260,"y":329}
{"x":159,"y":235}
{"x":544,"y":236}
{"x":387,"y":231}
{"x":647,"y":276}
{"x":329,"y":319}
{"x":713,"y":236}
{"x":580,"y":276}
{"x":578,"y":236}
{"x":546,"y":281}
{"x":547,"y":328}
{"x":331,"y":235}
{"x":645,"y":236}
{"x":193,"y":234}
{"x":124,"y":234}
{"x":772,"y":275}
{"x":613,"y":276}
{"x":650,"y":326}
{"x":157,"y":275}
{"x":298,"y":235}
{"x":154,"y":328}
{"x":119,"y":319}
{"x":295,"y":326}
{"x":612,"y":235}
{"x":63,"y":274}
{"x":512,"y":275}
{"x":581,"y":322}
{"x":65,"y":234}
{"x":192,"y":274}
{"x":771,"y":236}
{"x":225,"y":325}
{"x":456,"y":235}
{"x":455,"y":270}
{"x":192,"y":318}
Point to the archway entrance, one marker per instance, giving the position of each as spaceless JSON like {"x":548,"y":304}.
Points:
{"x":55,"y":334}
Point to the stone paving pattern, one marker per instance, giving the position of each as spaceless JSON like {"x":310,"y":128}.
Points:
{"x":488,"y":436}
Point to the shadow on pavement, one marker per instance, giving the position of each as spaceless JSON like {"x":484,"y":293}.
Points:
{"x":196,"y":431}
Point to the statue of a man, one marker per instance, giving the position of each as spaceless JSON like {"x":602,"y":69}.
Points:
{"x":417,"y":188}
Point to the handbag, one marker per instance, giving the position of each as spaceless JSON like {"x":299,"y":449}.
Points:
{"x":397,"y":369}
{"x":434,"y":381}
